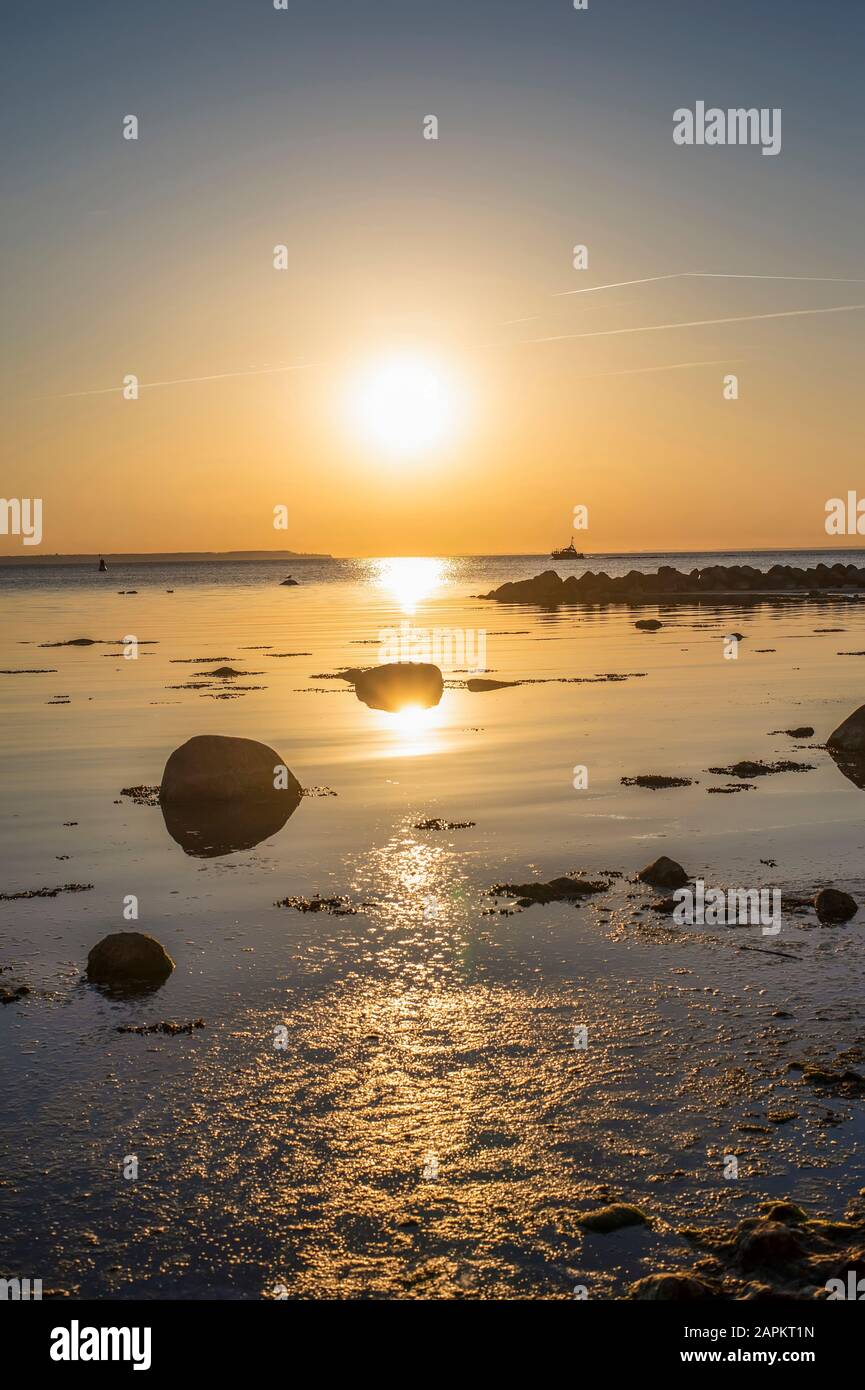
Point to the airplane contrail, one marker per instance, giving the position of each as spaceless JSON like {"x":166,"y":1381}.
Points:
{"x":814,"y":279}
{"x":665,"y":367}
{"x":695,"y":323}
{"x":187,"y":380}
{"x":710,"y":275}
{"x":619,"y":284}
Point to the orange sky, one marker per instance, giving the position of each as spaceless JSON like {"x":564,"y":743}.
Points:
{"x":155,"y":258}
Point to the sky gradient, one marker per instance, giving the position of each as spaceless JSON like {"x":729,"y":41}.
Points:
{"x":305,"y":127}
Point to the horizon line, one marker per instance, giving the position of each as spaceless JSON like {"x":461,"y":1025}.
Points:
{"x":191,"y":556}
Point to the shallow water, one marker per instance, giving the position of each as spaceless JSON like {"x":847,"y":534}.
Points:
{"x":423,"y":1033}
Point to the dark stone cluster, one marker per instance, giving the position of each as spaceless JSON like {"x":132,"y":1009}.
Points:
{"x":668,"y":583}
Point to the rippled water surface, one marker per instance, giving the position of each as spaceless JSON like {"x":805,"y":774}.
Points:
{"x":426,"y":1127}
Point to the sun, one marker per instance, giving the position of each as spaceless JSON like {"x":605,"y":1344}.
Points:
{"x":404,"y":404}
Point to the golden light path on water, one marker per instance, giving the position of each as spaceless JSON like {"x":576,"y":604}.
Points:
{"x":412,"y":732}
{"x":408,"y":579}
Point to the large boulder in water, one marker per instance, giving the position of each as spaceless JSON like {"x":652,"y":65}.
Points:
{"x":846,"y":744}
{"x":223,"y":794}
{"x":399,"y":684}
{"x":129,"y":960}
{"x":849,"y":737}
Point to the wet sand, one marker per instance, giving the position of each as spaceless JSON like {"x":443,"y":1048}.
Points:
{"x":428,"y":1032}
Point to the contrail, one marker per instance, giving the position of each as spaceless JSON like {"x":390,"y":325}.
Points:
{"x":814,"y":279}
{"x":695,"y":323}
{"x":188,"y":380}
{"x":710,"y":275}
{"x":667,"y":367}
{"x":619,"y":284}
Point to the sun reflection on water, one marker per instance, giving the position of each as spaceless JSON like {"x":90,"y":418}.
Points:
{"x":410,"y":732}
{"x":409,"y":579}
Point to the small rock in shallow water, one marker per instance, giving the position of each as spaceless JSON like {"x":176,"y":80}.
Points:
{"x":564,"y":889}
{"x":11,"y":996}
{"x":655,"y":781}
{"x":669,"y":1286}
{"x":612,"y":1218}
{"x":834,"y":906}
{"x":664,"y":873}
{"x":767,"y":1243}
{"x":785,"y":1211}
{"x":126,"y":960}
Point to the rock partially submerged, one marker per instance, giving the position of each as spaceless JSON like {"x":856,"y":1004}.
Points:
{"x":832,"y":905}
{"x":648,"y":624}
{"x":557,"y":890}
{"x":129,"y":961}
{"x":717,"y":582}
{"x":748,"y":769}
{"x":656,"y":781}
{"x":670,"y":1286}
{"x":398,"y":685}
{"x":12,"y":993}
{"x":846,"y":744}
{"x":663,"y":873}
{"x":782,"y":1252}
{"x":222,"y":794}
{"x":612,"y":1218}
{"x":849,"y":737}
{"x":837,"y":1081}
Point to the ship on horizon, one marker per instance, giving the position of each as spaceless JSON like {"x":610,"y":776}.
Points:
{"x":568,"y":552}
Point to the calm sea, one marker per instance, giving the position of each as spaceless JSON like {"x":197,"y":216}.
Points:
{"x":481,"y":571}
{"x":426,"y":1126}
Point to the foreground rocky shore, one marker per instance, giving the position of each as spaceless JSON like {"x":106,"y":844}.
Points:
{"x":717,"y":581}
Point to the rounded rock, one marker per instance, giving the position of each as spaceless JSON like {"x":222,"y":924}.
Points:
{"x":664,"y":873}
{"x":127,"y":960}
{"x":834,"y":906}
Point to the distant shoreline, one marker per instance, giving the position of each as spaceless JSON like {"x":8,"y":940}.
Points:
{"x":156,"y":557}
{"x":192,"y":557}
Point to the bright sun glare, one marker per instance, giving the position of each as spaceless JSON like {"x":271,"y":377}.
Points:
{"x":404,"y":404}
{"x":409,"y":579}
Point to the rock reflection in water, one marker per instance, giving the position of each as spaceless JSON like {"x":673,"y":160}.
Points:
{"x":220,"y":794}
{"x":208,"y":831}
